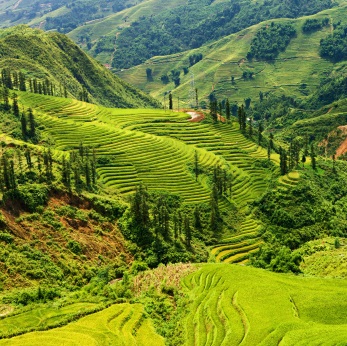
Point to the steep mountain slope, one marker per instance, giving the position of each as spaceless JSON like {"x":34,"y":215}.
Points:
{"x":55,"y":57}
{"x":224,"y":69}
{"x":61,"y":15}
{"x":168,"y":27}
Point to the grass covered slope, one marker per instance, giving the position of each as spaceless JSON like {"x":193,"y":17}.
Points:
{"x":296,"y":72}
{"x":55,"y":57}
{"x":164,"y":27}
{"x":157,"y":149}
{"x":121,"y":324}
{"x":233,"y":305}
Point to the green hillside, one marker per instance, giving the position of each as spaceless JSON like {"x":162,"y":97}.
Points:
{"x":54,"y":57}
{"x":61,"y":15}
{"x":81,"y":288}
{"x":235,"y":305}
{"x":218,"y":304}
{"x":162,"y":30}
{"x":296,"y":72}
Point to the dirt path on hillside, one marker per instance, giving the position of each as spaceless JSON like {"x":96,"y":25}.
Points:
{"x":16,"y":4}
{"x":196,"y":117}
{"x":5,"y":310}
{"x":342,"y":149}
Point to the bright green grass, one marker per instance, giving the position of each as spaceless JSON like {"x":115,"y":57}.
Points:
{"x":323,"y":258}
{"x":299,"y":64}
{"x":157,"y":148}
{"x":154,"y":146}
{"x":42,"y":317}
{"x":122,"y":324}
{"x":233,"y":305}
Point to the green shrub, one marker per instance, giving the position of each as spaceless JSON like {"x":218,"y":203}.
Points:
{"x":110,"y":208}
{"x":74,"y":247}
{"x":5,"y":237}
{"x":30,"y":196}
{"x":2,"y":220}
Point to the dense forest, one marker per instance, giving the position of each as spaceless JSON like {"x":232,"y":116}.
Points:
{"x":334,"y":46}
{"x":270,"y":41}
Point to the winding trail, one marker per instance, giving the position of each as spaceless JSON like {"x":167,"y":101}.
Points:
{"x":16,"y":4}
{"x":196,"y":117}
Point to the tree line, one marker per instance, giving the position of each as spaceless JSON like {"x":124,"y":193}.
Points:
{"x":23,"y":165}
{"x":14,"y":80}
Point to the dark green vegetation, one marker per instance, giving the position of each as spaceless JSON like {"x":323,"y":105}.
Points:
{"x":62,"y":15}
{"x":55,"y":58}
{"x":334,"y":46}
{"x":198,"y":22}
{"x":270,"y":41}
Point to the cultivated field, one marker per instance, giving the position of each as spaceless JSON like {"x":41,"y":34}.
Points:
{"x":122,"y":324}
{"x":295,"y":72}
{"x":157,"y":148}
{"x":236,"y":305}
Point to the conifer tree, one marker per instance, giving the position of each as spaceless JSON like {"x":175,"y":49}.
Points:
{"x":6,"y":171}
{"x":271,"y":141}
{"x":13,"y":183}
{"x":260,"y":132}
{"x":22,"y":84}
{"x":213,"y":110}
{"x":197,"y":219}
{"x":32,"y":124}
{"x":81,"y":150}
{"x":283,"y":161}
{"x":313,"y":157}
{"x":196,"y":165}
{"x":15,"y":80}
{"x":87,"y":175}
{"x":139,"y":209}
{"x":27,"y":156}
{"x":175,"y":224}
{"x":35,"y":86}
{"x":187,"y":231}
{"x":15,"y":107}
{"x":170,"y":101}
{"x":250,"y":127}
{"x":215,"y":215}
{"x":23,"y":122}
{"x":227,"y":110}
{"x":5,"y":97}
{"x":303,"y":160}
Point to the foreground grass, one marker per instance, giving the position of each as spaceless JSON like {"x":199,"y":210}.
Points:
{"x":232,"y":305}
{"x":122,"y":324}
{"x":42,"y":318}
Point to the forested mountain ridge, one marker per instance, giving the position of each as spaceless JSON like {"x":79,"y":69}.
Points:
{"x":146,"y":32}
{"x":55,"y":57}
{"x":230,"y":68}
{"x":61,"y":15}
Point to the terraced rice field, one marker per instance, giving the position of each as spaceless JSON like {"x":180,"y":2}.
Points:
{"x":157,"y":148}
{"x":123,"y":325}
{"x":237,"y":248}
{"x":235,"y":305}
{"x":153,"y":146}
{"x":42,"y":317}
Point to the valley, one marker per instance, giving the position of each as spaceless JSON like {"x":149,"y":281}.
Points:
{"x":173,"y":179}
